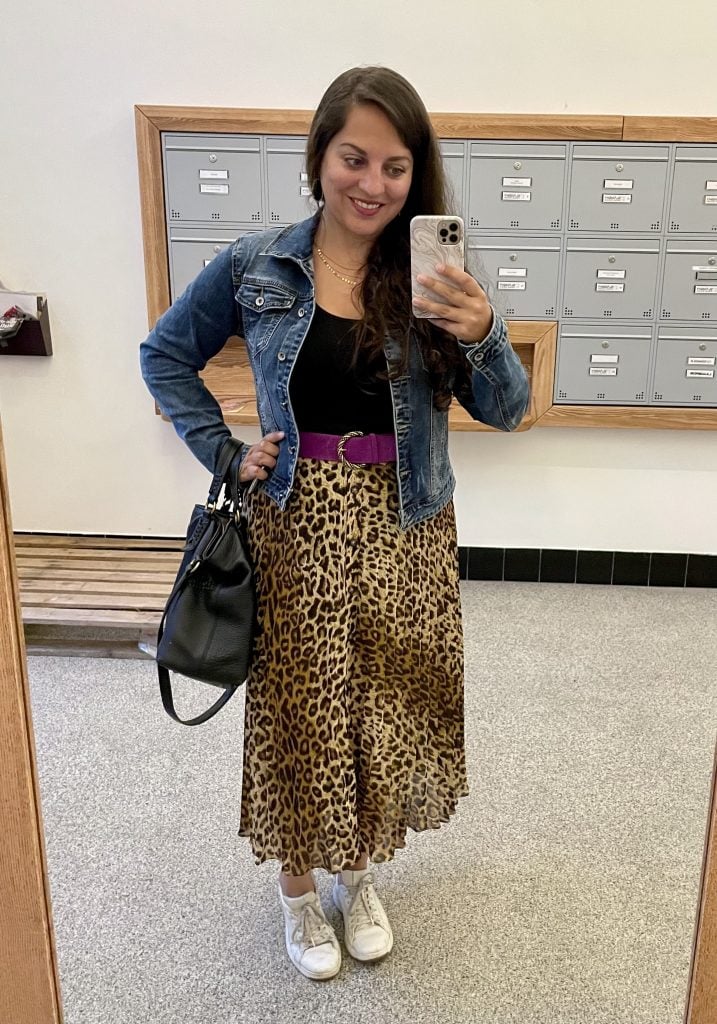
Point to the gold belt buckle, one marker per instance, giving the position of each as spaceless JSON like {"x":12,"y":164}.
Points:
{"x":341,"y":449}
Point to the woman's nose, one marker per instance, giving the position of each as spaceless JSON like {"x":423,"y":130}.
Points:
{"x":371,"y":181}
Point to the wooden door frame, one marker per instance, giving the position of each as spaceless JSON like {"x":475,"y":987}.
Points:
{"x":29,"y":980}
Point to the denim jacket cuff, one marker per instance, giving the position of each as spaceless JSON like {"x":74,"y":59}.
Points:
{"x":482,"y":353}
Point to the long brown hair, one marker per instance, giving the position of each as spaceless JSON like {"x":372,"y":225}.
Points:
{"x":385,"y":292}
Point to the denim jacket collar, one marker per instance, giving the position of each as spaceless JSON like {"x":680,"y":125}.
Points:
{"x":296,"y":242}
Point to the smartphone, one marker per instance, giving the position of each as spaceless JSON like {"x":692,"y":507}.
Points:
{"x":434,"y":240}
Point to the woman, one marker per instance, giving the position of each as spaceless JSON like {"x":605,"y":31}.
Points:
{"x":354,"y":704}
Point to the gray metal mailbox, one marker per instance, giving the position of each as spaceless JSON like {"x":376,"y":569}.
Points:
{"x":613,"y":278}
{"x":516,"y":186}
{"x":693,"y":202}
{"x":289,"y":189}
{"x":454,"y":162}
{"x":603,"y":365}
{"x":685,"y":367}
{"x":213,"y":179}
{"x":617,"y":188}
{"x":523,"y":273}
{"x":689,"y":288}
{"x":190,"y":250}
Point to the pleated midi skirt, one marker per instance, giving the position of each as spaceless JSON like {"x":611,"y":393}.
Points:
{"x":354,"y":728}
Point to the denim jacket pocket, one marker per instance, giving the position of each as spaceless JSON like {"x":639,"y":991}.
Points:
{"x":264,"y":305}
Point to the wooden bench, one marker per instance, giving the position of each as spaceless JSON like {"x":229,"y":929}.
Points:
{"x":93,"y":596}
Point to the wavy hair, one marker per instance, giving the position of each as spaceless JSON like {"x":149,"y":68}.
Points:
{"x":385,"y":292}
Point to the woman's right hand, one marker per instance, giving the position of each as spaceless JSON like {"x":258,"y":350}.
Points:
{"x":261,"y":458}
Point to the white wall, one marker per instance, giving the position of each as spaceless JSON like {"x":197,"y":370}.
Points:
{"x":85,"y":452}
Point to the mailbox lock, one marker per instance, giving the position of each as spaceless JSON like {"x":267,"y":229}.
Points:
{"x":217,"y":248}
{"x":712,"y":260}
{"x":703,"y":347}
{"x":518,"y":164}
{"x":611,"y":259}
{"x":212,"y":158}
{"x":513,"y":257}
{"x":619,"y":167}
{"x":606,"y":344}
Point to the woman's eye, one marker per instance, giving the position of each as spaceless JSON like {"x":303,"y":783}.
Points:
{"x":397,"y":171}
{"x":353,"y":161}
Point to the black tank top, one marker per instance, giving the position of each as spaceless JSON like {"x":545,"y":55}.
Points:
{"x":327,"y":395}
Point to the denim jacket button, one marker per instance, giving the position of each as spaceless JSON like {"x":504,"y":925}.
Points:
{"x":281,"y":357}
{"x":302,"y":311}
{"x":259,"y":301}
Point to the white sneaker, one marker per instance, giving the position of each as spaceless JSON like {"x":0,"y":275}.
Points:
{"x":367,"y":931}
{"x":310,"y":940}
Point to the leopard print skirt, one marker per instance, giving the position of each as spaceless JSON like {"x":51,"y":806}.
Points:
{"x":354,"y":703}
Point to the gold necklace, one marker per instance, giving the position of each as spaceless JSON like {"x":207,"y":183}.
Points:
{"x":348,"y":280}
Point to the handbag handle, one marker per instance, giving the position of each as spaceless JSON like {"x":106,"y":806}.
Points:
{"x":223,"y":472}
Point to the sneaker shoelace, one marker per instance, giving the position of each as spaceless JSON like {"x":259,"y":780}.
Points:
{"x":365,"y":907}
{"x":312,"y":926}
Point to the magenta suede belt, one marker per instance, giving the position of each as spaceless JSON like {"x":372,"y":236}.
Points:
{"x":353,"y":449}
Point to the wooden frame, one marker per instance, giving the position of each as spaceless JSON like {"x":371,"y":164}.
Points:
{"x":29,"y":982}
{"x":151,"y":121}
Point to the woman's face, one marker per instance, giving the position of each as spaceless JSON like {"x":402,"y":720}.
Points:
{"x":365,"y":174}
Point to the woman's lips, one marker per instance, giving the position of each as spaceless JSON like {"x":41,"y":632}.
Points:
{"x":363,"y":210}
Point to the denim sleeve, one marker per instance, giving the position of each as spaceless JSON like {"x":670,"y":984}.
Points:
{"x":500,"y":390}
{"x":182,"y":342}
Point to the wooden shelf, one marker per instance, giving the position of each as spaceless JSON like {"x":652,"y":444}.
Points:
{"x":229,"y":378}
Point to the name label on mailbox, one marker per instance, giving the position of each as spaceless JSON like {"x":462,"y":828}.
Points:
{"x":603,"y":371}
{"x":618,"y":183}
{"x":601,"y":358}
{"x":305,"y":190}
{"x":217,"y":190}
{"x":710,"y":200}
{"x":617,"y":197}
{"x":708,"y":374}
{"x":223,"y":175}
{"x":706,"y":289}
{"x":711,"y":186}
{"x":518,"y":183}
{"x":511,"y":286}
{"x":516,"y":197}
{"x":609,"y":287}
{"x":512,"y":272}
{"x":700,"y":360}
{"x":612,"y":275}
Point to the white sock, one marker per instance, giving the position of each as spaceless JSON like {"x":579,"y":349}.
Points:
{"x":351,"y":878}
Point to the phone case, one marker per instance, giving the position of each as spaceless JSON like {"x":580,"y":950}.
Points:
{"x":428,"y":248}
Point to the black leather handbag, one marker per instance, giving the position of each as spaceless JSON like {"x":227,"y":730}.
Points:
{"x":209,"y":622}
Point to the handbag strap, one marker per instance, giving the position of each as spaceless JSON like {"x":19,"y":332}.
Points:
{"x":165,"y":684}
{"x":165,"y":689}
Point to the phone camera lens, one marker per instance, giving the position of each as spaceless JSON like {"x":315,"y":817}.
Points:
{"x":443,"y":232}
{"x":454,"y":227}
{"x":453,"y":238}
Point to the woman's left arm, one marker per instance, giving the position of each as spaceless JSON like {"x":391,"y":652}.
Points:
{"x":499,"y":381}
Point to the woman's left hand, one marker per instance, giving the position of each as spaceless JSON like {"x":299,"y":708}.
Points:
{"x":466,"y":312}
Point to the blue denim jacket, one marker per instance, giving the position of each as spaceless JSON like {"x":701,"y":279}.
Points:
{"x":262,"y":288}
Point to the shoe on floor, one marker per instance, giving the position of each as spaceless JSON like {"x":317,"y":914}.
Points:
{"x":367,"y":931}
{"x":310,"y":940}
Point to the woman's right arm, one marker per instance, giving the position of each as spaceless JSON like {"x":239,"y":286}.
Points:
{"x":182,"y":342}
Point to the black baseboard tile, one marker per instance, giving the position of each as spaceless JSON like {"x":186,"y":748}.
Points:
{"x":522,"y":565}
{"x":631,"y":568}
{"x":594,"y":567}
{"x":486,"y":564}
{"x":463,"y":554}
{"x":668,"y":570}
{"x":558,"y":565}
{"x":701,"y":571}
